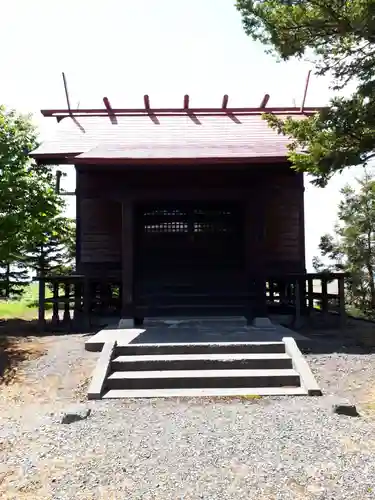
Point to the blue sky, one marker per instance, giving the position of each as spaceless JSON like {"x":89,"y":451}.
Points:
{"x":124,"y":49}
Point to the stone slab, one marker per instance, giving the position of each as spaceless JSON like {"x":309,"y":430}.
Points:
{"x":126,"y":323}
{"x":208,"y":361}
{"x":194,"y":357}
{"x":195,"y":331}
{"x":192,"y":332}
{"x":199,"y":348}
{"x":172,"y":379}
{"x":120,"y":335}
{"x":244,"y":392}
{"x":101,"y":371}
{"x":300,"y":364}
{"x":188,"y":374}
{"x":263,"y":323}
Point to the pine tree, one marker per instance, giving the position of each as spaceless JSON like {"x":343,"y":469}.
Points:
{"x":351,"y":248}
{"x":339,"y":36}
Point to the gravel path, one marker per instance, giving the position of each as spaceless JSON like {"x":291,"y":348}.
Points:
{"x":261,"y":449}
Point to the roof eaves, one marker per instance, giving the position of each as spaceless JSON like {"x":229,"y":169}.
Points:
{"x":54,"y":158}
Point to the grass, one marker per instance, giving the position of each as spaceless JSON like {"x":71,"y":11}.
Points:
{"x":26,"y":307}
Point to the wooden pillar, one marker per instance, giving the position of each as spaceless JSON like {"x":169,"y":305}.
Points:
{"x":257,"y":232}
{"x":127,"y":285}
{"x":248,"y":222}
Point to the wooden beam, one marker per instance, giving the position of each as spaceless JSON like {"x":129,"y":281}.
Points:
{"x":61,"y":113}
{"x":111,"y":113}
{"x":265,"y":100}
{"x":146,"y":101}
{"x":305,"y":92}
{"x":127,"y":287}
{"x":107,"y":104}
{"x":224,"y":104}
{"x":66,"y":93}
{"x":186,"y":101}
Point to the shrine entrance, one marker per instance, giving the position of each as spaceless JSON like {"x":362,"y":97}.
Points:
{"x":190,"y":254}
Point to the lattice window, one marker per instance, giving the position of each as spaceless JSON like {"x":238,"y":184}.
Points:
{"x":192,"y":220}
{"x":167,"y":227}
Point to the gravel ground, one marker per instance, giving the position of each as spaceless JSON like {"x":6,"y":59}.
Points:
{"x":263,"y":449}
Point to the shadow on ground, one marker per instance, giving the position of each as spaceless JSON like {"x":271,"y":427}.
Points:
{"x":13,"y":352}
{"x":357,"y":338}
{"x":19,"y":327}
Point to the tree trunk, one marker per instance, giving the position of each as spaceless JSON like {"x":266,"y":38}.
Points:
{"x":7,"y":281}
{"x":370,"y":269}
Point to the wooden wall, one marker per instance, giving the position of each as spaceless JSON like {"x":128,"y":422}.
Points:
{"x":276,"y":189}
{"x":100,"y":230}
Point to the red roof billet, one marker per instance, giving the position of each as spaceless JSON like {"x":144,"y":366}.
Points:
{"x":183,"y":136}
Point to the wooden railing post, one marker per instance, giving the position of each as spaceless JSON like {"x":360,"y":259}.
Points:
{"x":324,"y":286}
{"x":66,"y":317}
{"x":310,"y":294}
{"x":55,"y":303}
{"x":86,"y":303}
{"x":342,"y":308}
{"x":297,"y":298}
{"x":42,"y":305}
{"x":77,"y":312}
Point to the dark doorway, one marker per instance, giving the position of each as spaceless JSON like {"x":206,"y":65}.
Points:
{"x":189,"y":254}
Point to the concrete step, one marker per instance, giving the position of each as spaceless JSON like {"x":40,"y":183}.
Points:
{"x":234,"y":361}
{"x":210,"y":392}
{"x":191,"y":379}
{"x":200,"y":348}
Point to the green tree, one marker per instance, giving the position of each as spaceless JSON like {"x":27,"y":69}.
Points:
{"x":13,"y":279}
{"x":28,"y":200}
{"x":352,"y":246}
{"x":340,"y":36}
{"x":51,"y":248}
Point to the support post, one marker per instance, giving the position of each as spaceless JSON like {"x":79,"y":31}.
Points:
{"x":55,"y":303}
{"x":86,"y":303}
{"x":259,"y":234}
{"x":254,"y":242}
{"x":342,"y":312}
{"x":297,"y":318}
{"x":324,"y":285}
{"x":310,"y":294}
{"x":66,"y":317}
{"x":127,"y":295}
{"x":77,"y":313}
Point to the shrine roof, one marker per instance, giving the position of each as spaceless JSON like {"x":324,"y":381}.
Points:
{"x":126,"y":135}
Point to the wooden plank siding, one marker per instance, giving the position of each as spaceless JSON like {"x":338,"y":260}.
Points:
{"x":283,"y":226}
{"x":101,"y":192}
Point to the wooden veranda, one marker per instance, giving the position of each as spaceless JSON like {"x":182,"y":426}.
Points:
{"x":78,"y":302}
